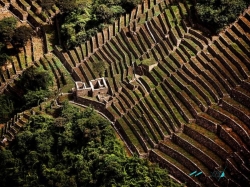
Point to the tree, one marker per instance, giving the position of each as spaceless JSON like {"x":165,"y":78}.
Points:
{"x":99,"y":67}
{"x":83,"y":152}
{"x":7,"y":107}
{"x":106,"y":13}
{"x":103,"y":13}
{"x":117,"y":10}
{"x":130,"y":4}
{"x":2,"y":46}
{"x":22,"y":34}
{"x":73,"y":28}
{"x":47,"y":4}
{"x":33,"y":98}
{"x":83,"y":19}
{"x":111,"y":2}
{"x":7,"y":28}
{"x":35,"y":79}
{"x":67,"y":5}
{"x":23,"y":143}
{"x":218,"y":13}
{"x":4,"y":58}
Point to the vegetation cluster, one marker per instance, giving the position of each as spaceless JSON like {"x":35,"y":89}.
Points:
{"x":75,"y":148}
{"x":34,"y":86}
{"x":11,"y":34}
{"x":216,"y":14}
{"x":83,"y":19}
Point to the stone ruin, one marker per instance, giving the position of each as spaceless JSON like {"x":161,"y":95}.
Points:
{"x":97,"y":87}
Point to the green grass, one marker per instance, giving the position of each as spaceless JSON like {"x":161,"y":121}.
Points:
{"x":160,"y":72}
{"x":55,"y":8}
{"x":16,"y":63}
{"x":189,"y":51}
{"x":132,"y":44}
{"x":196,"y":94}
{"x":175,"y":86}
{"x":172,"y":161}
{"x":127,"y":19}
{"x":148,"y":82}
{"x":149,"y":61}
{"x":131,"y":135}
{"x":35,"y":4}
{"x":22,"y":59}
{"x":50,"y":37}
{"x":236,"y":47}
{"x":155,"y":76}
{"x":174,"y":110}
{"x":176,"y":12}
{"x":25,"y":3}
{"x":201,"y":147}
{"x":194,"y":45}
{"x":142,"y":19}
{"x":157,"y":10}
{"x":184,"y":11}
{"x":69,"y":83}
{"x":36,"y":17}
{"x":169,"y":16}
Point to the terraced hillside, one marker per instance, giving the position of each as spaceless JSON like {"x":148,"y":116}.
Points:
{"x":175,"y":96}
{"x":31,"y":11}
{"x":191,"y":111}
{"x":30,"y":14}
{"x":62,"y":82}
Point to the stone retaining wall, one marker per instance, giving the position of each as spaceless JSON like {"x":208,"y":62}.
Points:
{"x":208,"y":161}
{"x":173,"y":170}
{"x":206,"y":123}
{"x":96,"y":105}
{"x":230,"y":123}
{"x":20,"y":15}
{"x":126,"y":138}
{"x":206,"y":142}
{"x":224,"y":135}
{"x":241,"y":97}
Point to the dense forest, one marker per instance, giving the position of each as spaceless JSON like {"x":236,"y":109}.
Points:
{"x":85,"y":21}
{"x":74,"y":148}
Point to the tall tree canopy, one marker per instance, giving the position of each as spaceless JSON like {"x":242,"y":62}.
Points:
{"x":34,"y":79}
{"x":88,"y":17}
{"x":218,"y":13}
